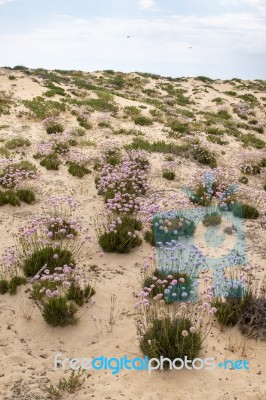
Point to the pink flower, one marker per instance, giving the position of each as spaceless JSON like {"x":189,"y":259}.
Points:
{"x":184,"y":333}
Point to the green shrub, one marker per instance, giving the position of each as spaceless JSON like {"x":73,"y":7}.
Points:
{"x":164,"y":338}
{"x":231,"y":93}
{"x":178,"y":126}
{"x":215,"y":131}
{"x":204,"y":79}
{"x":37,"y":294}
{"x":78,"y":132}
{"x":121,"y":241}
{"x":249,"y":98}
{"x":14,"y":282}
{"x":170,"y":229}
{"x":170,"y":176}
{"x":252,"y":321}
{"x":78,"y":170}
{"x":243,"y":179}
{"x":5,"y":103}
{"x":42,"y":108}
{"x":9,"y":197}
{"x":223,"y":114}
{"x":212,"y":219}
{"x":251,"y":169}
{"x":104,"y":124}
{"x":46,"y":255}
{"x":3,"y":286}
{"x":17,"y":142}
{"x":55,"y":228}
{"x":217,"y":140}
{"x":251,"y":140}
{"x":203,"y":156}
{"x":60,"y":147}
{"x":176,"y":290}
{"x":158,"y":147}
{"x":263,"y":163}
{"x":132,"y":111}
{"x":54,"y":90}
{"x":227,"y":311}
{"x":149,"y":237}
{"x":51,"y":162}
{"x":114,"y":158}
{"x":218,"y":100}
{"x":54,"y":127}
{"x":58,"y":312}
{"x":78,"y":295}
{"x":84,"y":123}
{"x":245,"y":211}
{"x":26,"y":195}
{"x":143,"y":121}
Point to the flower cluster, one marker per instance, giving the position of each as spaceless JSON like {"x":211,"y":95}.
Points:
{"x":124,"y":184}
{"x":12,"y":172}
{"x":209,"y":186}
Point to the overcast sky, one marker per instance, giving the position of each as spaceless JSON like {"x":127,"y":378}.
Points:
{"x":216,"y":38}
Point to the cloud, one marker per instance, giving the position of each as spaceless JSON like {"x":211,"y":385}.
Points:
{"x":146,"y":4}
{"x":222,"y":46}
{"x":259,"y":4}
{"x":5,"y":1}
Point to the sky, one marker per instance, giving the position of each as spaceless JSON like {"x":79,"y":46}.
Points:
{"x":221,"y":39}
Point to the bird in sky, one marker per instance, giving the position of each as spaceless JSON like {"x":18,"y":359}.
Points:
{"x":128,"y":37}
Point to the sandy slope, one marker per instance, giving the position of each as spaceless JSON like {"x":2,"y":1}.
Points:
{"x":27,"y":346}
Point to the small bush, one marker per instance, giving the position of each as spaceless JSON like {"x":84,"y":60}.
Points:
{"x":60,"y":147}
{"x":47,"y":255}
{"x":51,"y":162}
{"x":149,"y":237}
{"x":104,"y":124}
{"x":203,"y":156}
{"x":9,"y":197}
{"x":125,"y":237}
{"x":176,"y":291}
{"x":58,"y":312}
{"x":228,"y":311}
{"x":54,"y":127}
{"x":251,"y":140}
{"x":38,"y":294}
{"x":114,"y":158}
{"x":212,"y":219}
{"x":78,"y":295}
{"x":17,"y":142}
{"x":170,"y":228}
{"x":263,"y":163}
{"x":169,"y":175}
{"x":178,"y":126}
{"x":245,"y":211}
{"x":243,"y":179}
{"x":78,"y":170}
{"x":42,"y":108}
{"x":84,"y":123}
{"x":158,"y":147}
{"x":164,"y":338}
{"x":3,"y":286}
{"x":217,"y":140}
{"x":143,"y":121}
{"x":253,"y":318}
{"x":26,"y":195}
{"x":78,"y":132}
{"x":251,"y":169}
{"x":15,"y":282}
